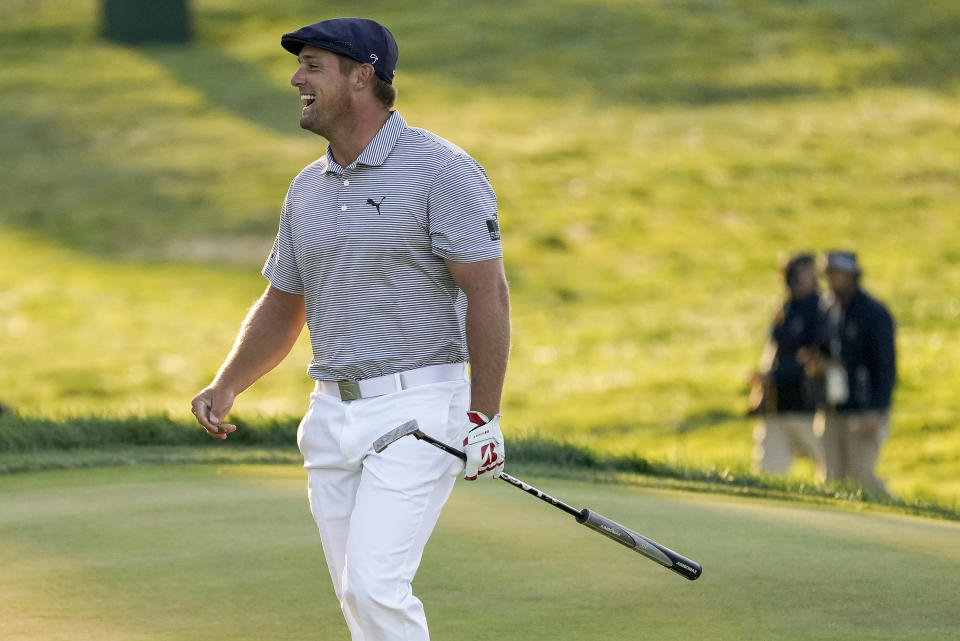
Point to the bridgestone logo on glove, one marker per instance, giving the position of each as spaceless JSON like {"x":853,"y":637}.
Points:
{"x":489,"y":454}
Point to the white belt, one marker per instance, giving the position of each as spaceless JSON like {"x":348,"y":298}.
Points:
{"x":381,"y":385}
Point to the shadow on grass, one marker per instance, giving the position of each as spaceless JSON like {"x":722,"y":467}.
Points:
{"x":690,"y":53}
{"x":96,"y":203}
{"x":693,"y":52}
{"x":237,"y":86}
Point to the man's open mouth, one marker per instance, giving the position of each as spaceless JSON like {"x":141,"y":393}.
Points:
{"x":307,"y":99}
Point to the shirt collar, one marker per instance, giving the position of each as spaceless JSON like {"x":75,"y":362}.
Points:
{"x":377,"y":150}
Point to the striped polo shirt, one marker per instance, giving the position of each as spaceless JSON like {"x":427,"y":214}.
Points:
{"x":366,"y":244}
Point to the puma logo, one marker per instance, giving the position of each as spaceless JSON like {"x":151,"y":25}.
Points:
{"x":370,"y":201}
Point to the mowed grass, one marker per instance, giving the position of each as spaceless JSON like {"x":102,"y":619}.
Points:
{"x":653,"y":162}
{"x":209,"y":553}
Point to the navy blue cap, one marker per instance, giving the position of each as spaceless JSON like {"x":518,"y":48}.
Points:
{"x":357,"y":38}
{"x":843,"y":262}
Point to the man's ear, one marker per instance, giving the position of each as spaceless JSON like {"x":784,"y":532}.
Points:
{"x":363,"y":75}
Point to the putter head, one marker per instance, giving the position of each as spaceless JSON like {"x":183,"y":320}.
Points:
{"x":410,"y":427}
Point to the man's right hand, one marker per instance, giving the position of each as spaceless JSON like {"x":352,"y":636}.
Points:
{"x":812,"y":362}
{"x":483,"y":446}
{"x":211,"y":406}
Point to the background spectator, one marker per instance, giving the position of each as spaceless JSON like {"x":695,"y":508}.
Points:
{"x":860,"y":373}
{"x":787,"y":398}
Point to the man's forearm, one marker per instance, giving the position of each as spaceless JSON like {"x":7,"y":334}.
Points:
{"x":488,"y":329}
{"x":488,"y":342}
{"x":266,"y":336}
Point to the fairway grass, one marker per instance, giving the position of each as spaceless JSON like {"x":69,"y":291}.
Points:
{"x":204,"y":553}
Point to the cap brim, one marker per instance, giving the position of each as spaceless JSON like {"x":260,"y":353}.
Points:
{"x":296,"y":45}
{"x":293,"y":45}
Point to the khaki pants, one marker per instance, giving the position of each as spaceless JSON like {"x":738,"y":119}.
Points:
{"x":850,"y":453}
{"x":780,"y":437}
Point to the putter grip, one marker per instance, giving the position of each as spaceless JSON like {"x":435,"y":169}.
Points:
{"x":650,"y":549}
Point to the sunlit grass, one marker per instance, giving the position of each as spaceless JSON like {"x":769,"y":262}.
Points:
{"x":651,"y":173}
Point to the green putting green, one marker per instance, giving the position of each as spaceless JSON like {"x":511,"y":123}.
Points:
{"x":230,"y":552}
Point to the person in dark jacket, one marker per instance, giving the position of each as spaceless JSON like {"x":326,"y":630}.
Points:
{"x":860,"y":373}
{"x":789,"y":399}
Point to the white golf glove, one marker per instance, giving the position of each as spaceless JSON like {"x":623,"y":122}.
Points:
{"x":483,"y":447}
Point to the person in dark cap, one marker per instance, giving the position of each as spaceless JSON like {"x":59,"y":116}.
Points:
{"x":788,"y":399}
{"x":389,"y":251}
{"x":860,"y":372}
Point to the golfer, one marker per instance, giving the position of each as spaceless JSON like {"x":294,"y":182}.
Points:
{"x":389,"y":251}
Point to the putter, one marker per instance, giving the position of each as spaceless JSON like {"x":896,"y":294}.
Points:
{"x":637,"y":542}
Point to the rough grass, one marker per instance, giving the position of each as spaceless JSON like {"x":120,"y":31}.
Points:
{"x":653,"y":162}
{"x":28,"y":445}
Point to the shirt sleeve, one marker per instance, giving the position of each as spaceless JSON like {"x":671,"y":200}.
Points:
{"x":462,"y":213}
{"x":281,"y":267}
{"x":884,"y":360}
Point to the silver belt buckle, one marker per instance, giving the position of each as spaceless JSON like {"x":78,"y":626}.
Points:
{"x":349,"y":390}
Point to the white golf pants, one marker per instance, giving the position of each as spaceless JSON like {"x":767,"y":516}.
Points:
{"x":375,"y":512}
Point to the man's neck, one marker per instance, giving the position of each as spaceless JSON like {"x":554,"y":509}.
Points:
{"x":351,"y":138}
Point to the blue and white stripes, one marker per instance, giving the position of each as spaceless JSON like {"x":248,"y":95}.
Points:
{"x":366,"y":246}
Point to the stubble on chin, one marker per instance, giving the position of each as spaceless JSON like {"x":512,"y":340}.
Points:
{"x":310,"y":124}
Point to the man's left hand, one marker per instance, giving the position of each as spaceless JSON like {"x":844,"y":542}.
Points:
{"x":483,"y":447}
